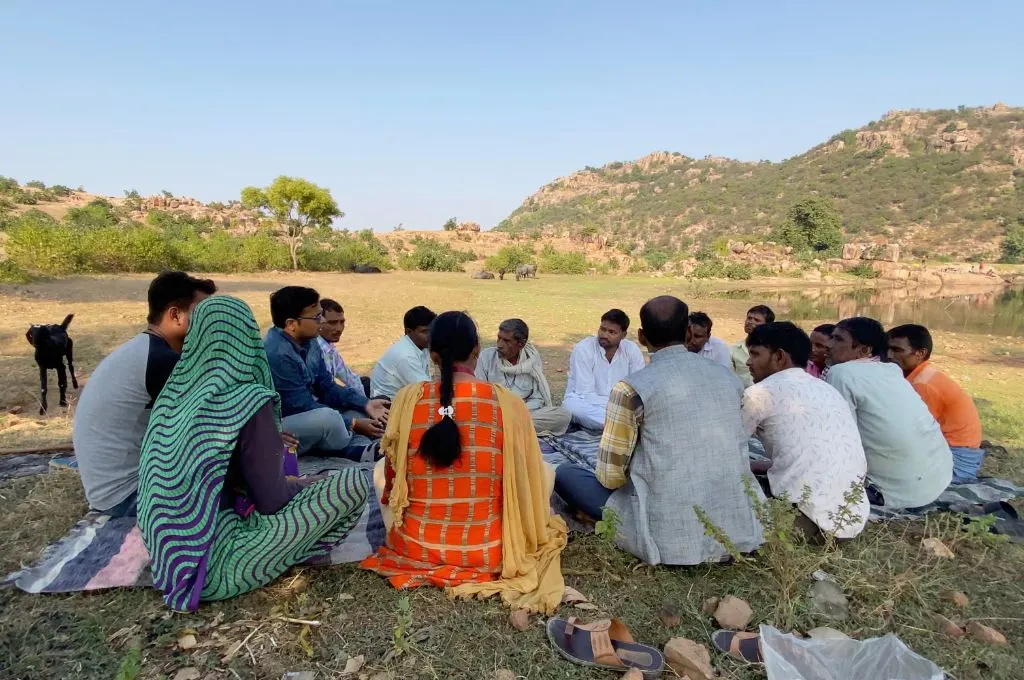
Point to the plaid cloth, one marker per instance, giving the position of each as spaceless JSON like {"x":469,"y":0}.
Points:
{"x":451,"y":531}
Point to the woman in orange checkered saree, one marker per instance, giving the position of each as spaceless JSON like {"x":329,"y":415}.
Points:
{"x":466,"y":485}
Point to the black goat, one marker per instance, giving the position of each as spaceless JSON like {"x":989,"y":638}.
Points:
{"x":52,"y":344}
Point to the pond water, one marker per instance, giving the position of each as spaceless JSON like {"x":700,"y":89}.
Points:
{"x":997,"y":313}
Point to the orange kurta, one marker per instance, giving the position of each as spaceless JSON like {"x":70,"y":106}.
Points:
{"x":451,"y":532}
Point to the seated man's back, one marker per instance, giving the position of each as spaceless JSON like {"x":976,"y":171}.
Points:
{"x":112,"y":415}
{"x":909,"y":461}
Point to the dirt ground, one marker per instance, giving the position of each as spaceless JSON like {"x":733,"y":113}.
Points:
{"x":892,"y":584}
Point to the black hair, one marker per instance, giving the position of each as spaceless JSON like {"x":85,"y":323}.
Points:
{"x":664,"y":320}
{"x":918,"y":337}
{"x":288,"y":303}
{"x":418,"y":316}
{"x":785,"y":336}
{"x":763,"y":310}
{"x":453,"y":338}
{"x":617,"y":317}
{"x":175,"y":289}
{"x":701,"y":319}
{"x":825,"y":329}
{"x":866,"y":331}
{"x":329,"y":305}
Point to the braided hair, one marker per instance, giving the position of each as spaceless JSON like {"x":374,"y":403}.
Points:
{"x":453,"y":337}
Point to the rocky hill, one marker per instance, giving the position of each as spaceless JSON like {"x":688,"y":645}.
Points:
{"x":939,"y":182}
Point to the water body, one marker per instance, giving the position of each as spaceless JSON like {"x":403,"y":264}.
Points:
{"x":996,"y":313}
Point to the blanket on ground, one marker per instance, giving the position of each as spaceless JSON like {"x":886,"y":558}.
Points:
{"x":986,"y":496}
{"x":107,"y":552}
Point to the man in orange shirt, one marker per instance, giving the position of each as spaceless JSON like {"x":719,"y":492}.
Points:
{"x":910,"y":346}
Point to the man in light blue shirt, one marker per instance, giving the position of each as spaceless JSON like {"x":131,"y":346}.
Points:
{"x":407,"y":361}
{"x":909,"y":461}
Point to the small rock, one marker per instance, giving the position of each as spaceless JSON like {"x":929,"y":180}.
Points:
{"x":353,"y":665}
{"x":671,"y":614}
{"x":985,"y":634}
{"x":957,"y":598}
{"x":187,"y":641}
{"x":947,"y":627}
{"x":829,"y":602}
{"x":188,"y":673}
{"x":520,"y":620}
{"x":15,"y":410}
{"x":937,"y":548}
{"x":709,"y":606}
{"x":688,"y":658}
{"x":826,"y":633}
{"x":733,"y":613}
{"x":633,"y":674}
{"x":504,"y":674}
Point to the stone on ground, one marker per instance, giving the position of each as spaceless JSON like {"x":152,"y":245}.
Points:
{"x":829,"y":602}
{"x":709,"y":606}
{"x":983,"y":633}
{"x":633,"y":674}
{"x":956,"y":597}
{"x":670,"y":614}
{"x":688,"y":658}
{"x":826,"y":633}
{"x":947,"y":627}
{"x":937,"y":548}
{"x":189,"y":673}
{"x":520,"y":619}
{"x":733,"y":613}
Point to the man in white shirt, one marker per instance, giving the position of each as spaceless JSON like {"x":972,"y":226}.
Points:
{"x":700,"y":341}
{"x":407,"y":361}
{"x":596,"y":365}
{"x":808,"y":432}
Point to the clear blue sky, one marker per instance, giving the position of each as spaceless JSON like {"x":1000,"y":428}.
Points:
{"x":413,"y":112}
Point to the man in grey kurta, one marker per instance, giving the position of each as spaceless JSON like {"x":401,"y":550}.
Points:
{"x":673,"y":442}
{"x":515,"y":364}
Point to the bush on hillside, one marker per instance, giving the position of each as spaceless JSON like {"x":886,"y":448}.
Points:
{"x":508,"y":258}
{"x":35,"y":184}
{"x":433,"y":256}
{"x":554,"y":262}
{"x":721,"y":269}
{"x":864,"y":270}
{"x":1012,"y":248}
{"x":813,"y":224}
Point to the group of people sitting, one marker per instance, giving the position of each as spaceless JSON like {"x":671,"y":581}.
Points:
{"x":193,"y":426}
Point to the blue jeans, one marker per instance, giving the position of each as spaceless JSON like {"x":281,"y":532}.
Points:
{"x":129,"y":507}
{"x":966,"y":463}
{"x":579,"y":488}
{"x":322,"y":431}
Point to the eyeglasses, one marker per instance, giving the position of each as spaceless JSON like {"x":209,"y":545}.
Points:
{"x":319,"y":318}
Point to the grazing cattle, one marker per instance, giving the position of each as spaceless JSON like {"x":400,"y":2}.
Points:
{"x":483,"y":275}
{"x":365,"y":269}
{"x":526,"y":271}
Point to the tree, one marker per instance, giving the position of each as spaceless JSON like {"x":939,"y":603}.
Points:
{"x":451,"y":225}
{"x":812,"y":224}
{"x":1012,"y":249}
{"x":297,"y":206}
{"x":507,"y":259}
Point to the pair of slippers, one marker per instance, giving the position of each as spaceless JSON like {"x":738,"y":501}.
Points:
{"x":609,"y":645}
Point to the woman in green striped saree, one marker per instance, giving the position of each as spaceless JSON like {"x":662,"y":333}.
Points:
{"x":216,"y":512}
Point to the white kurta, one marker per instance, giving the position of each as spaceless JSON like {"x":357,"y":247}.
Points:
{"x":592,"y":376}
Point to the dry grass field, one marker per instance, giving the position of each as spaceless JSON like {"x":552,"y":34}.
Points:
{"x":893,"y":585}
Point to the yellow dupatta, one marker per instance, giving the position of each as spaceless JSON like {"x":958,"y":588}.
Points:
{"x":532,"y":537}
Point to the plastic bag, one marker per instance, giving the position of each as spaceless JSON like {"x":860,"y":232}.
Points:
{"x":886,"y":658}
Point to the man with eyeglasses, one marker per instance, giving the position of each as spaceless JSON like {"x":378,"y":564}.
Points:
{"x":326,"y":418}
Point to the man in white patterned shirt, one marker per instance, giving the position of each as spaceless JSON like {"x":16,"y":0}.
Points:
{"x":331,"y":330}
{"x":808,"y":431}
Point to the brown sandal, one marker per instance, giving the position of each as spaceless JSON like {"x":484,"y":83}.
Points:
{"x":603,"y":644}
{"x":739,"y":645}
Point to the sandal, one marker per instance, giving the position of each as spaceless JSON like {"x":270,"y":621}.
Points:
{"x":604,"y":644}
{"x":739,"y":645}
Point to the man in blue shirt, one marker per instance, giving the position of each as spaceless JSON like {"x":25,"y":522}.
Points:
{"x":322,"y":415}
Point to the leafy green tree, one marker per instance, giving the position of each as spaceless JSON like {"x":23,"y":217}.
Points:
{"x":812,"y":224}
{"x":298,"y":206}
{"x":507,"y":259}
{"x":132,"y":199}
{"x":97,"y":214}
{"x":451,"y":225}
{"x":1012,"y":249}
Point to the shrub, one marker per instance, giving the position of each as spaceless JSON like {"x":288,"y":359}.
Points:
{"x":451,"y":225}
{"x":60,"y":190}
{"x":812,"y":224}
{"x":508,"y":258}
{"x":12,"y":273}
{"x":432,"y":256}
{"x":1012,"y":248}
{"x":656,"y":258}
{"x":564,"y":263}
{"x":36,"y":184}
{"x":8,"y":185}
{"x":864,"y":270}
